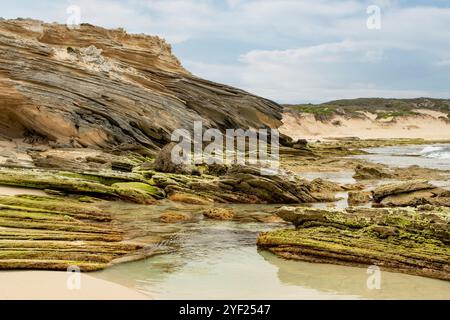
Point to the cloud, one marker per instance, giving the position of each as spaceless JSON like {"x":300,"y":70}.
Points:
{"x":287,"y":50}
{"x":397,"y":61}
{"x":443,"y":63}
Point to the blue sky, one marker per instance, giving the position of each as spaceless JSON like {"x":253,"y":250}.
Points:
{"x":291,"y":51}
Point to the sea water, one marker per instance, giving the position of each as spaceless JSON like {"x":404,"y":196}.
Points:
{"x":436,"y":156}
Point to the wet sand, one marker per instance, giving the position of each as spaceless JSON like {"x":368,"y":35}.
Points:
{"x":50,"y":285}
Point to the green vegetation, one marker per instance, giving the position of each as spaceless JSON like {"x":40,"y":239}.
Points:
{"x":393,"y":104}
{"x":383,"y":108}
{"x":395,"y":114}
{"x":320,"y":112}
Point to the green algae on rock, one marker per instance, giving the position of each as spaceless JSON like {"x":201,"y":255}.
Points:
{"x":51,"y":233}
{"x":408,"y":240}
{"x":130,"y":188}
{"x":219,"y":213}
{"x":243,"y":184}
{"x":359,"y":197}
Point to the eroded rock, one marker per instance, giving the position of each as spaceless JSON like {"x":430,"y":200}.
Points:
{"x":107,"y":89}
{"x":371,"y":171}
{"x":174,"y":216}
{"x":397,"y":239}
{"x":54,"y":233}
{"x":359,"y":197}
{"x":164,"y":162}
{"x":390,"y":189}
{"x":219,"y":213}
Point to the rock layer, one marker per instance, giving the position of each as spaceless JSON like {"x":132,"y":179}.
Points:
{"x":410,"y":193}
{"x":240,"y":184}
{"x":400,"y":240}
{"x":94,"y":87}
{"x":51,"y":233}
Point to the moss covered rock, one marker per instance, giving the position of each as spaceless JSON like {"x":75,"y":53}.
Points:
{"x":414,"y":241}
{"x":54,"y":233}
{"x":140,"y":192}
{"x":219,"y":213}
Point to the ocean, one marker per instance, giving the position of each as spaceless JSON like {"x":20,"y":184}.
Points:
{"x":435,"y":156}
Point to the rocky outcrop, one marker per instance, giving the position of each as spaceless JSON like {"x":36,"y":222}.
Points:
{"x":410,"y":193}
{"x":371,"y":171}
{"x":241,"y":184}
{"x":110,"y":185}
{"x":414,"y":241}
{"x":93,"y":87}
{"x":359,"y":197}
{"x":53,"y":233}
{"x":397,"y":188}
{"x":173,"y":217}
{"x":164,"y":162}
{"x":219,"y":213}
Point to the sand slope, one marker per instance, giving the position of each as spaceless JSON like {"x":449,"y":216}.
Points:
{"x":429,"y":125}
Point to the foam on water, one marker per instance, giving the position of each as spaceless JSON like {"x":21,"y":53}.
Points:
{"x":435,"y":156}
{"x":431,"y":149}
{"x":436,"y":152}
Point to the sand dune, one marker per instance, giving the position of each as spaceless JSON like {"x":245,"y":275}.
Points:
{"x":427,"y":126}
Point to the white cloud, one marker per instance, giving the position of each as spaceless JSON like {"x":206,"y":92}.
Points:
{"x":443,"y":63}
{"x":287,"y":50}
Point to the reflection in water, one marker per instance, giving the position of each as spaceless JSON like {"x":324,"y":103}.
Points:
{"x":350,"y":280}
{"x":219,"y":260}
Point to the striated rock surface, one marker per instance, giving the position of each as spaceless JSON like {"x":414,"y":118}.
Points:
{"x":398,"y":188}
{"x":371,"y":171}
{"x":51,"y":233}
{"x":414,"y":241}
{"x":110,"y":185}
{"x":241,"y":184}
{"x":359,"y":197}
{"x":100,"y":88}
{"x":410,"y":193}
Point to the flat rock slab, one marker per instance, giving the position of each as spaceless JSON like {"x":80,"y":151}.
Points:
{"x":405,"y":240}
{"x":402,"y":187}
{"x":53,"y":233}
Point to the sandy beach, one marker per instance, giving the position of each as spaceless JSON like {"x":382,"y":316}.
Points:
{"x":427,"y":127}
{"x":49,"y":285}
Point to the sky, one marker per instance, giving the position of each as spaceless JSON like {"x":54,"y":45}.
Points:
{"x":290,"y":51}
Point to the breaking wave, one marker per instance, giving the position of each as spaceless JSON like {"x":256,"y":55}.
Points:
{"x":435,"y":152}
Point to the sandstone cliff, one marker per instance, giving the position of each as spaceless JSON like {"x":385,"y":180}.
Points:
{"x":100,"y":88}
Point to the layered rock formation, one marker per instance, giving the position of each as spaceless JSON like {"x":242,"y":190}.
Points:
{"x":240,"y":184}
{"x":51,"y":233}
{"x":411,"y":193}
{"x":94,"y":87}
{"x":401,"y":240}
